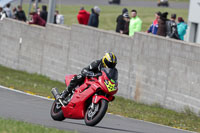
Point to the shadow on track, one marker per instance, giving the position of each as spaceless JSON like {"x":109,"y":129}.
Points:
{"x":103,"y":127}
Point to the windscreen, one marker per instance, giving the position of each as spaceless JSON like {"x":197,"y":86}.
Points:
{"x":111,"y":73}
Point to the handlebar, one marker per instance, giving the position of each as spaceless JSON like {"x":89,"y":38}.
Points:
{"x":92,"y":74}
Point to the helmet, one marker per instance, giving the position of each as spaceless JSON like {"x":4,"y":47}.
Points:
{"x":109,"y":60}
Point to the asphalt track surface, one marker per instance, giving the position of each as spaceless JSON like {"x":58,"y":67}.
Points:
{"x":33,"y":109}
{"x":124,"y":3}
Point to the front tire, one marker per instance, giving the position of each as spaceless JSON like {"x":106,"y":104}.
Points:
{"x":94,"y":116}
{"x":56,"y":112}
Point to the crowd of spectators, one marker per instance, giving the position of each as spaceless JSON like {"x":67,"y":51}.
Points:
{"x":161,"y":26}
{"x":169,"y":27}
{"x":125,"y":24}
{"x":128,"y":24}
{"x":39,"y":17}
{"x":91,"y":19}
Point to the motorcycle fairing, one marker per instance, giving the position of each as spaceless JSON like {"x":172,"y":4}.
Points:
{"x":76,"y":108}
{"x":68,"y":78}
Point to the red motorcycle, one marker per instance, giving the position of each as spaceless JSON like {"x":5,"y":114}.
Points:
{"x":89,"y":101}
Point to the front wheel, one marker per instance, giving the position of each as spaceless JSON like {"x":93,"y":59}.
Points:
{"x":94,"y":115}
{"x":56,"y":112}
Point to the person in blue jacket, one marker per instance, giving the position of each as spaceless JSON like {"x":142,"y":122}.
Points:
{"x":154,"y":26}
{"x":182,"y":27}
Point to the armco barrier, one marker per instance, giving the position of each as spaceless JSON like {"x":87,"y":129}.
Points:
{"x":152,"y":69}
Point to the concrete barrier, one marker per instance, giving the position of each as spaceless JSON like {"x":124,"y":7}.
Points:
{"x":152,"y":69}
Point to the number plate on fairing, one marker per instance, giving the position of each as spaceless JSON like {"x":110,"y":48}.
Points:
{"x":110,"y":86}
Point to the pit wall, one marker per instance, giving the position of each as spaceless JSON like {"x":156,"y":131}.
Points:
{"x":152,"y":69}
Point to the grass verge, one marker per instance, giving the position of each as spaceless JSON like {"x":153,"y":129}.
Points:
{"x":13,"y":126}
{"x":42,"y":85}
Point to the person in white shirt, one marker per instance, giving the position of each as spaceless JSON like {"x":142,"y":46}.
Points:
{"x":2,"y":14}
{"x":8,"y":11}
{"x":58,"y":18}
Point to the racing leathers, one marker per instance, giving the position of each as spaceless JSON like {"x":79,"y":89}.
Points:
{"x":93,"y":69}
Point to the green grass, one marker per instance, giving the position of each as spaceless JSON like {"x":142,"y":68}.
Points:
{"x":108,"y":15}
{"x":155,"y":113}
{"x":13,"y":126}
{"x":35,"y":83}
{"x":42,"y":85}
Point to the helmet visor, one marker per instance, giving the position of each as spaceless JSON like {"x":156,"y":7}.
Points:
{"x":110,"y":64}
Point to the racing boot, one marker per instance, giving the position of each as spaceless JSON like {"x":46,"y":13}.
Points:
{"x":67,"y":91}
{"x":72,"y":85}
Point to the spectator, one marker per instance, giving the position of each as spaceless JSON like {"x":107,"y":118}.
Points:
{"x":36,"y":19}
{"x":35,"y":7}
{"x":120,"y":21}
{"x":8,"y":11}
{"x":94,"y":17}
{"x":182,"y":27}
{"x":58,"y":18}
{"x":44,"y":13}
{"x":14,"y":12}
{"x":135,"y":24}
{"x":38,"y":11}
{"x":83,"y":16}
{"x":20,"y":14}
{"x":126,"y":25}
{"x":154,"y":26}
{"x":162,"y":24}
{"x":2,"y":14}
{"x":172,"y":31}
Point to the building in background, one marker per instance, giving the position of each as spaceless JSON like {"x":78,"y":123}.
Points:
{"x":193,"y":33}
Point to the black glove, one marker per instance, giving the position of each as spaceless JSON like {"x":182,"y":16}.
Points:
{"x":90,"y":74}
{"x":98,"y":74}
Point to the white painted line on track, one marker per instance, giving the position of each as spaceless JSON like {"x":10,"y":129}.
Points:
{"x":107,"y":113}
{"x":6,"y":88}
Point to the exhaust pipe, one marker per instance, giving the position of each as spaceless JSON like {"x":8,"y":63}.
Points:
{"x":56,"y":95}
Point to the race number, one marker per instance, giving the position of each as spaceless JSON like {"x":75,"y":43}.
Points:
{"x":110,"y":86}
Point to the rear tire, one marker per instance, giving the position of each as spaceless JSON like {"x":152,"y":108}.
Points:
{"x":97,"y":115}
{"x":56,"y":114}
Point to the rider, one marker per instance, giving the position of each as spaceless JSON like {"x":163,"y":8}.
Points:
{"x":109,"y":60}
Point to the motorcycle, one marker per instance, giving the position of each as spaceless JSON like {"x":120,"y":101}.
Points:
{"x":89,"y":101}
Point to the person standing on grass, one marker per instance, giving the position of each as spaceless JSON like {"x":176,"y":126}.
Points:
{"x":120,"y":21}
{"x":83,"y":16}
{"x":58,"y":18}
{"x":20,"y":14}
{"x":2,"y":14}
{"x":154,"y":26}
{"x":182,"y":27}
{"x":162,"y":24}
{"x":135,"y":24}
{"x":94,"y":17}
{"x":172,"y":31}
{"x":44,"y":13}
{"x":126,"y":25}
{"x":8,"y":11}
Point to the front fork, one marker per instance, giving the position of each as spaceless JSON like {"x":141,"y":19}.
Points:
{"x":96,"y":98}
{"x":93,"y":101}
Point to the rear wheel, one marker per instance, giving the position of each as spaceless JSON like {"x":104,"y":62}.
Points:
{"x":56,"y":112}
{"x":94,"y":115}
